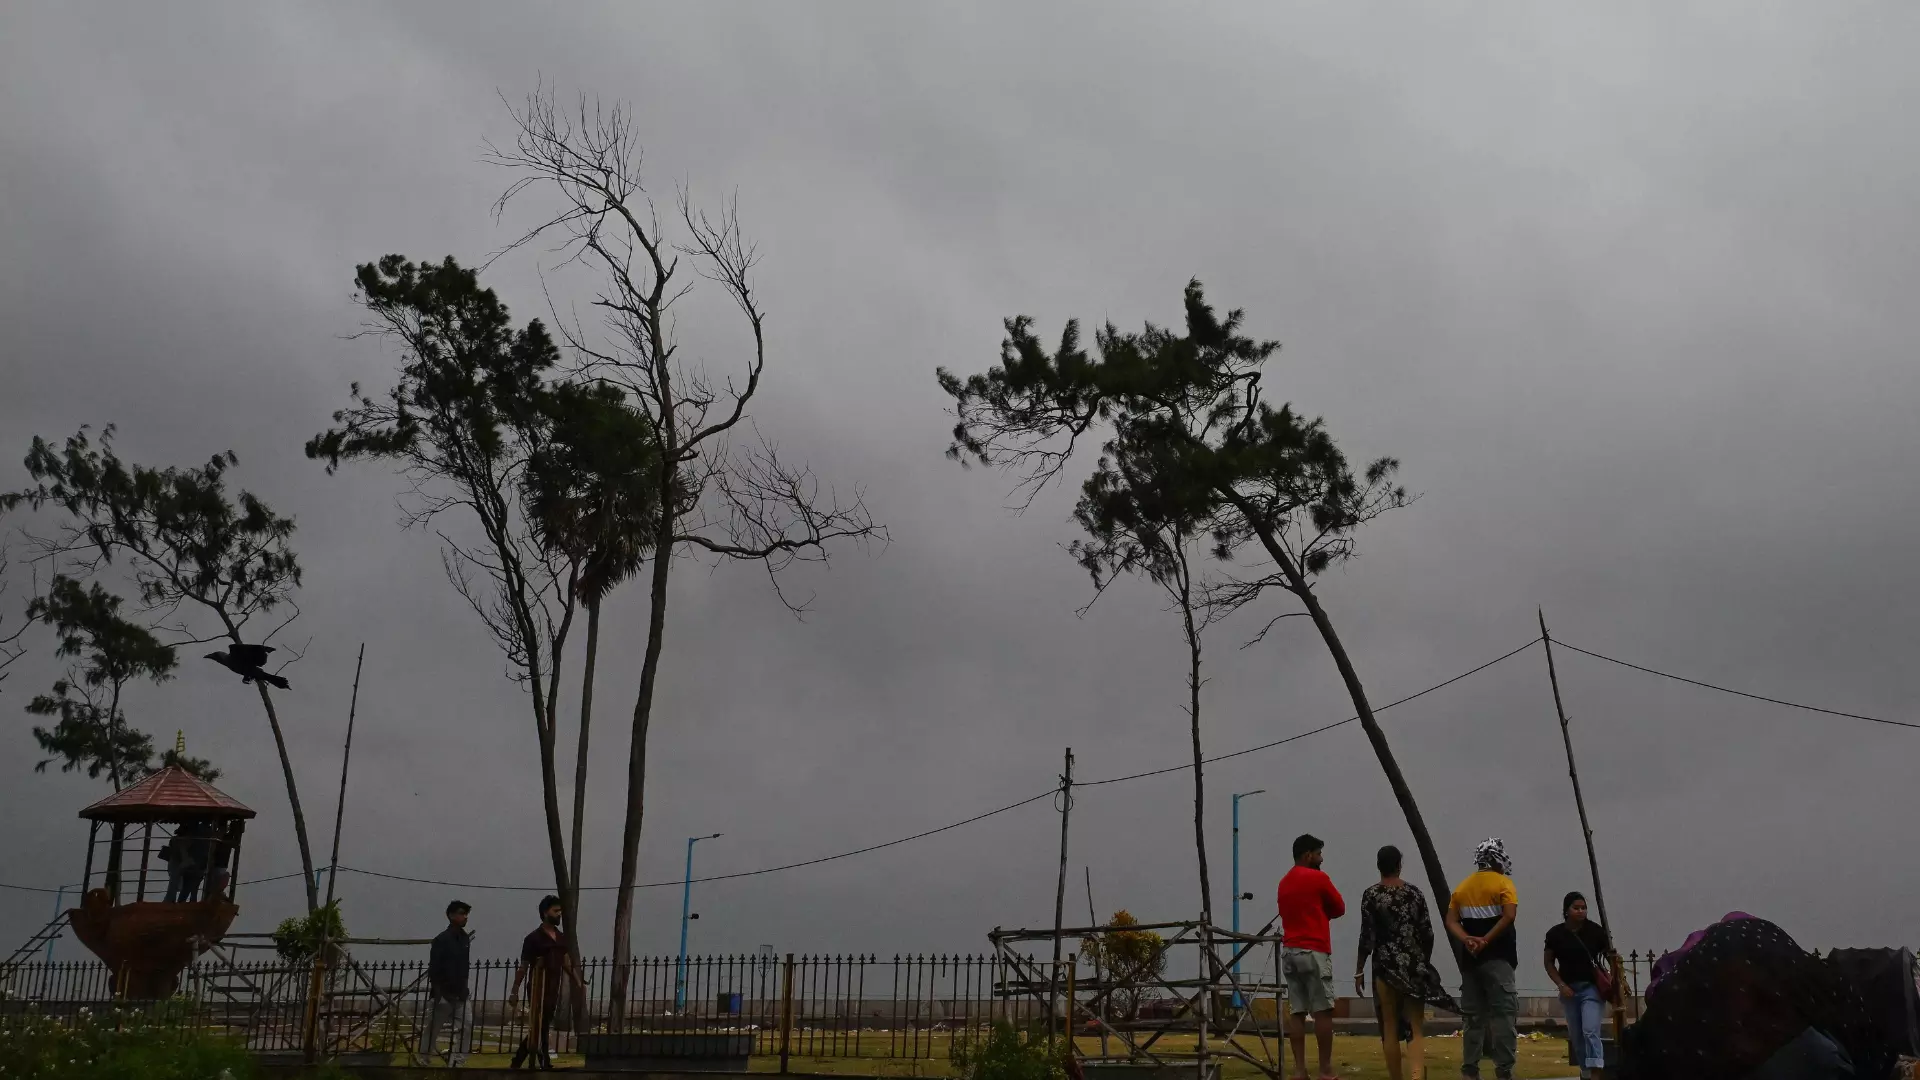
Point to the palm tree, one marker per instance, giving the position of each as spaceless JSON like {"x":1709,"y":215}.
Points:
{"x":591,"y":497}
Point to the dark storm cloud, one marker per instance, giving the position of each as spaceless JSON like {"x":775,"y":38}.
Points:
{"x":1626,"y":293}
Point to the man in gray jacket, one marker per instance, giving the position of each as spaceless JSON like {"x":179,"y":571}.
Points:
{"x":447,"y":984}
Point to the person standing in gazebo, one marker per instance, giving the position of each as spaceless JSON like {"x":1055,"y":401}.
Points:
{"x":196,"y":839}
{"x":175,"y":854}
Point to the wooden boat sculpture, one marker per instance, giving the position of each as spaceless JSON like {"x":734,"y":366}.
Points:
{"x":172,"y":915}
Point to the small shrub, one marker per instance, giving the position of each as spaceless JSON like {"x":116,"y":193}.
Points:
{"x":298,"y":938}
{"x":1006,"y":1054}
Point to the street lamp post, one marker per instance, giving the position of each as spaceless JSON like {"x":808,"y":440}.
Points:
{"x":1237,"y":894}
{"x":686,"y":906}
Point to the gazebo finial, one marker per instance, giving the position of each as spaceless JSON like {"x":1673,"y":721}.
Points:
{"x":179,"y":741}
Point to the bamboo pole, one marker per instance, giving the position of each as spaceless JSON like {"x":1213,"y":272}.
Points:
{"x":1098,"y":968}
{"x":346,"y":757}
{"x":310,"y":1041}
{"x":1073,"y":967}
{"x":1586,"y":829}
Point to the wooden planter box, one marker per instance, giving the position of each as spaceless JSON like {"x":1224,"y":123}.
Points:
{"x":679,"y":1051}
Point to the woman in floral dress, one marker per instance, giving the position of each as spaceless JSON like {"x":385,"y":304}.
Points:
{"x":1396,"y":930}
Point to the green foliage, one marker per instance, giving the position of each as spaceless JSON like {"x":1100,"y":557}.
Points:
{"x":87,"y":620}
{"x":462,"y":420}
{"x":92,"y":732}
{"x":468,"y":391}
{"x":1190,"y":444}
{"x":116,"y":1045}
{"x":86,"y":737}
{"x":192,"y":766}
{"x":298,"y":939}
{"x":190,"y":540}
{"x":592,"y":485}
{"x":1009,"y":1054}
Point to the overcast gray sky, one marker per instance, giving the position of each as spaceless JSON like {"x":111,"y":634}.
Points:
{"x":1628,"y":291}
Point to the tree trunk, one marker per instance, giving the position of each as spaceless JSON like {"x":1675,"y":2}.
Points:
{"x":572,"y":890}
{"x":293,"y":796}
{"x":580,"y":756}
{"x":113,"y":733}
{"x":547,"y":728}
{"x":550,"y":800}
{"x":1193,"y":712}
{"x":1429,"y":856}
{"x":116,"y":849}
{"x":637,"y":771}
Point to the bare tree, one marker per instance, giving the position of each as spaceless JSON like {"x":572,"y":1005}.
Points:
{"x":716,"y":496}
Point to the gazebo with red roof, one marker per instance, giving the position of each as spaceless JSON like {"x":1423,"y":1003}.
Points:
{"x":146,"y":942}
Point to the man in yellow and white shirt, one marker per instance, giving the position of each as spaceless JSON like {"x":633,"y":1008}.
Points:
{"x":1480,"y":917}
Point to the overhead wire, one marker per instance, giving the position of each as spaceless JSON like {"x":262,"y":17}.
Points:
{"x":1736,"y":693}
{"x":1047,"y":794}
{"x":1051,"y":792}
{"x":1315,"y":731}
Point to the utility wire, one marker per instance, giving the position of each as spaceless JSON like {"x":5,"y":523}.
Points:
{"x":1736,"y":693}
{"x":1318,"y":730}
{"x":717,"y":877}
{"x":1049,"y":793}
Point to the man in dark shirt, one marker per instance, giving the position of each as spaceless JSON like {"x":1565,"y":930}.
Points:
{"x":546,"y":967}
{"x":447,"y":987}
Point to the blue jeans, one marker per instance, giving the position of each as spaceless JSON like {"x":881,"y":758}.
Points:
{"x":1583,"y":1026}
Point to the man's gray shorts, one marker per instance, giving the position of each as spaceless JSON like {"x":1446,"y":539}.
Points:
{"x":1309,"y":981}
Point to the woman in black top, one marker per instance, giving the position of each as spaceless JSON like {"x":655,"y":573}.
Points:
{"x":1576,"y":947}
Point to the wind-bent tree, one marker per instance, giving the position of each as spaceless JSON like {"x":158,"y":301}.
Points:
{"x":462,"y":422}
{"x":710,"y":496}
{"x":1185,"y":422}
{"x":1130,"y":530}
{"x":591,"y":499}
{"x":191,"y":549}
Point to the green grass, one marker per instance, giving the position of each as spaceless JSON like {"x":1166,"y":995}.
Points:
{"x":113,"y":1046}
{"x":1357,"y":1056}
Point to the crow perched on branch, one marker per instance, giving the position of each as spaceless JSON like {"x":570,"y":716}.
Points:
{"x":249,"y":662}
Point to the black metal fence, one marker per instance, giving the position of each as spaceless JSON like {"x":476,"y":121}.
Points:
{"x":799,"y":1009}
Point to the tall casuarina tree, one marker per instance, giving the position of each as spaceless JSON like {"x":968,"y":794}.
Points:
{"x":1185,"y":426}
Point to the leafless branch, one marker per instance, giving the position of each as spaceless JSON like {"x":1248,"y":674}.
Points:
{"x":10,"y":647}
{"x":294,"y":656}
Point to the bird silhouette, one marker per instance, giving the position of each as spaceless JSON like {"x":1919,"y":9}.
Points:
{"x":249,"y":662}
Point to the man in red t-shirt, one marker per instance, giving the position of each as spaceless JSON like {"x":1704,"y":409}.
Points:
{"x":1308,"y":903}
